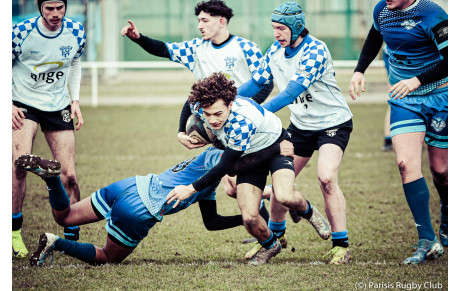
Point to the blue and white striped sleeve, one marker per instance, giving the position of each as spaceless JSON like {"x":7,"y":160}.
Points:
{"x":312,"y":65}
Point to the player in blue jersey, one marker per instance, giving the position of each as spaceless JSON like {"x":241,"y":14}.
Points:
{"x":217,"y":51}
{"x":46,"y":54}
{"x":320,"y":118}
{"x":131,"y":206}
{"x":415,"y":32}
{"x":244,"y":128}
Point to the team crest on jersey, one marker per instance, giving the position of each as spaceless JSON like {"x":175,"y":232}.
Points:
{"x":230,"y":62}
{"x":438,"y":124}
{"x":409,"y":24}
{"x":65,"y":50}
{"x":65,"y":115}
{"x":332,"y":132}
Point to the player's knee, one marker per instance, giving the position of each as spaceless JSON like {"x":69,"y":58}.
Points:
{"x":441,"y":177}
{"x":326,"y":183}
{"x":71,"y":181}
{"x":402,"y":171}
{"x":250,"y":221}
{"x":284,"y":197}
{"x":20,"y":174}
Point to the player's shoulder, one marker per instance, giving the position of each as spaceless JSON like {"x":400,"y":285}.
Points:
{"x":244,"y":43}
{"x":431,"y":10}
{"x":274,"y":48}
{"x":24,"y":27}
{"x":76,"y":28}
{"x":379,"y":7}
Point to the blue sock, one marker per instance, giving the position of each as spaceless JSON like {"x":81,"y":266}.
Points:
{"x":340,"y":239}
{"x":269,"y":243}
{"x":443,"y":195}
{"x":82,"y":251}
{"x":418,"y":197}
{"x":308,"y":213}
{"x":17,"y":221}
{"x":59,"y":199}
{"x":278,"y":228}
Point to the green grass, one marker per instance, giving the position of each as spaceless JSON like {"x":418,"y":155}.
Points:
{"x":179,"y":253}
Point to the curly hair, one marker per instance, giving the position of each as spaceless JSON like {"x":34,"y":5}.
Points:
{"x":207,"y":91}
{"x":214,"y":8}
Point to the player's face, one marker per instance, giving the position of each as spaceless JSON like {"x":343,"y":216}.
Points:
{"x":217,"y":114}
{"x":53,"y":13}
{"x":282,"y":33}
{"x":208,"y":25}
{"x":398,"y":4}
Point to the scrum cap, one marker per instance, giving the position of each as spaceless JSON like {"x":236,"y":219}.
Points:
{"x":41,"y":2}
{"x":290,"y":14}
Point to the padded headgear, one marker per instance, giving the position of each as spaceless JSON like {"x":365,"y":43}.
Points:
{"x":41,"y":2}
{"x":290,"y":14}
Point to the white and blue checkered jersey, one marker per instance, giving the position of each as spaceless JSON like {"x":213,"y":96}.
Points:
{"x":237,"y":59}
{"x":321,"y":105}
{"x":414,"y":37}
{"x":41,"y":63}
{"x":249,"y":127}
{"x":153,"y":189}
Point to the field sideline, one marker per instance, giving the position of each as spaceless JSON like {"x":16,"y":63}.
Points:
{"x":179,"y":253}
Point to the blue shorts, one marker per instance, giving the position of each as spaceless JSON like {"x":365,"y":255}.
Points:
{"x":427,"y":113}
{"x":128,"y":220}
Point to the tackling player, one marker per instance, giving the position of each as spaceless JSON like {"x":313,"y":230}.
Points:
{"x":46,"y":60}
{"x":131,"y":206}
{"x":244,"y":127}
{"x":415,"y":32}
{"x":320,"y":118}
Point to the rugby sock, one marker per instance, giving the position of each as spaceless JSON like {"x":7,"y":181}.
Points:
{"x":17,"y":221}
{"x":269,"y":243}
{"x":263,"y":211}
{"x":72,"y":233}
{"x":418,"y":197}
{"x":278,"y":228}
{"x":82,"y":251}
{"x":59,"y":199}
{"x":340,"y":239}
{"x":308,"y":213}
{"x":387,"y":141}
{"x":443,"y":191}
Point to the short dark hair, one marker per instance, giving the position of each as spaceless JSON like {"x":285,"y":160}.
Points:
{"x":208,"y":90}
{"x":214,"y":8}
{"x":304,"y":32}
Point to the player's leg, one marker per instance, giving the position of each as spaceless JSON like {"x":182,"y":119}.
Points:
{"x":22,"y":141}
{"x":250,"y":186}
{"x":329,"y":160}
{"x":62,"y":145}
{"x":437,"y":141}
{"x":438,"y":158}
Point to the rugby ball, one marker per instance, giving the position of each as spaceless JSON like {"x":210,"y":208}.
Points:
{"x":199,"y":130}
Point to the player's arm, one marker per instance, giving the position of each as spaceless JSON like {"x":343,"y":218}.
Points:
{"x":370,"y":50}
{"x":150,"y":45}
{"x":285,"y":97}
{"x":182,"y":137}
{"x":179,"y":193}
{"x":74,"y":88}
{"x":213,"y":221}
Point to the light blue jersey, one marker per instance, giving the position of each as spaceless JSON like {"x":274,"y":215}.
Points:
{"x":41,"y":63}
{"x":414,"y":38}
{"x":153,"y":189}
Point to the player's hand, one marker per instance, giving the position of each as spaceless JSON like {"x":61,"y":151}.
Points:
{"x":17,"y":117}
{"x":287,"y":148}
{"x":189,"y":142}
{"x":130,"y":31}
{"x":404,"y":87}
{"x":75,"y":110}
{"x":180,"y":193}
{"x":356,"y":81}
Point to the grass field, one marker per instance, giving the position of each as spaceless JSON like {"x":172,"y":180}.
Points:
{"x":179,"y":253}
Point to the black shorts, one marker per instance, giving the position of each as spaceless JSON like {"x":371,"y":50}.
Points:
{"x":307,"y":141}
{"x":258,"y":176}
{"x":53,"y":120}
